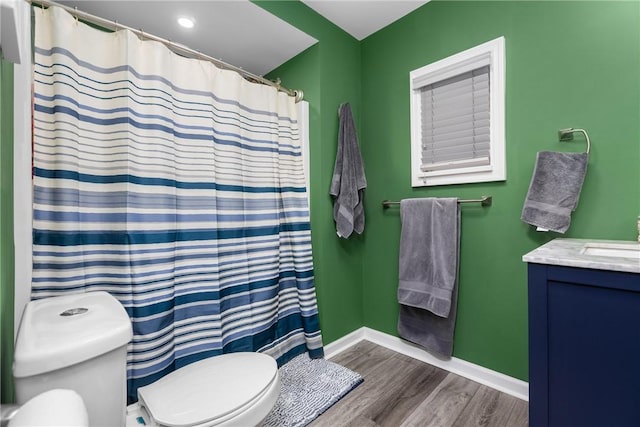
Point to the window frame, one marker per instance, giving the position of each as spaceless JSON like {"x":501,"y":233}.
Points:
{"x":491,"y":53}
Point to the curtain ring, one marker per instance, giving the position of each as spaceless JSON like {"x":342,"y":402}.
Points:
{"x":75,"y":9}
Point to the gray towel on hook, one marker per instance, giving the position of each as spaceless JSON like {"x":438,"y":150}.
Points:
{"x":349,"y":182}
{"x":554,"y":190}
{"x":428,"y":272}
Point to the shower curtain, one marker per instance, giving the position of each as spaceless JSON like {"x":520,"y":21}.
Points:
{"x":178,"y":188}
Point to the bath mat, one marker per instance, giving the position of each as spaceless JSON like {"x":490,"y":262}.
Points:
{"x":308,"y":388}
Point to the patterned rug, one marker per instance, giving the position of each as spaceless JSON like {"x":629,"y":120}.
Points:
{"x":308,"y":388}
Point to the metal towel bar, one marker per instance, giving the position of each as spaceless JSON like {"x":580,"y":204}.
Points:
{"x":484,"y":201}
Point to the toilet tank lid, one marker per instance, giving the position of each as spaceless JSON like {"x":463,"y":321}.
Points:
{"x":58,"y":332}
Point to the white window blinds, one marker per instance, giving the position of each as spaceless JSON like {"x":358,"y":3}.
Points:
{"x":455,"y":129}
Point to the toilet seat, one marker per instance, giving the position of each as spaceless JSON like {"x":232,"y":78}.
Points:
{"x":213,"y":391}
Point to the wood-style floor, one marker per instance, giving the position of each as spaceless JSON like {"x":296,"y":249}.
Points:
{"x":401,"y":391}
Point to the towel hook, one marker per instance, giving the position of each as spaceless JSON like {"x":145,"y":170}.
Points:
{"x":567,"y":135}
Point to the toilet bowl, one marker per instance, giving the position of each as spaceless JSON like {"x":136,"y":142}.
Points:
{"x":68,"y":341}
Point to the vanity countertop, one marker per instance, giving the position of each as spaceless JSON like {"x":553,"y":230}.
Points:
{"x":570,"y":253}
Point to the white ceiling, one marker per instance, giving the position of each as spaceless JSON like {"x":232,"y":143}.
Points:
{"x":235,"y":31}
{"x":241,"y":33}
{"x":361,"y":18}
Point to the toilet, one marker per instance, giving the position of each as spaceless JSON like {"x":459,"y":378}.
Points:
{"x":53,"y":408}
{"x":70,"y":341}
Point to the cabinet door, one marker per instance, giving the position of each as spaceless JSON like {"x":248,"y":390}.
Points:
{"x":593,"y":355}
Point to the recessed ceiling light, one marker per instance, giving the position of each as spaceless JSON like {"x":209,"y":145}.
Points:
{"x":186,"y":22}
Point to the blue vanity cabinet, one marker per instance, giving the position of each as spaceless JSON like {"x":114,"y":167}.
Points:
{"x":584,"y":347}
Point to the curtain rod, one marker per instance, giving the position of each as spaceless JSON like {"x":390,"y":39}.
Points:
{"x":175,"y":47}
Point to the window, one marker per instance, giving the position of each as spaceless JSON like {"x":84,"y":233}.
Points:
{"x":457,"y":118}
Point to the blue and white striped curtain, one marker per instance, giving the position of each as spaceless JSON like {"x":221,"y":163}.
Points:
{"x":177,"y":187}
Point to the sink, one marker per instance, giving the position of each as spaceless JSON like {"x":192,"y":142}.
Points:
{"x":614,"y":250}
{"x":610,"y":255}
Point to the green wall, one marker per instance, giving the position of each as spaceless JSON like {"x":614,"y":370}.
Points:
{"x":6,"y":231}
{"x":329,"y":74}
{"x":569,"y":64}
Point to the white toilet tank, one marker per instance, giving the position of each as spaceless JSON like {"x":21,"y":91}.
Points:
{"x":76,"y":342}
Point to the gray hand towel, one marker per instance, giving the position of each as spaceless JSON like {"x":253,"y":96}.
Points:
{"x":349,"y":181}
{"x":428,"y":272}
{"x":554,"y":190}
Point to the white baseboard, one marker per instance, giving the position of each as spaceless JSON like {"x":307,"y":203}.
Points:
{"x":341,"y":344}
{"x":480,"y":374}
